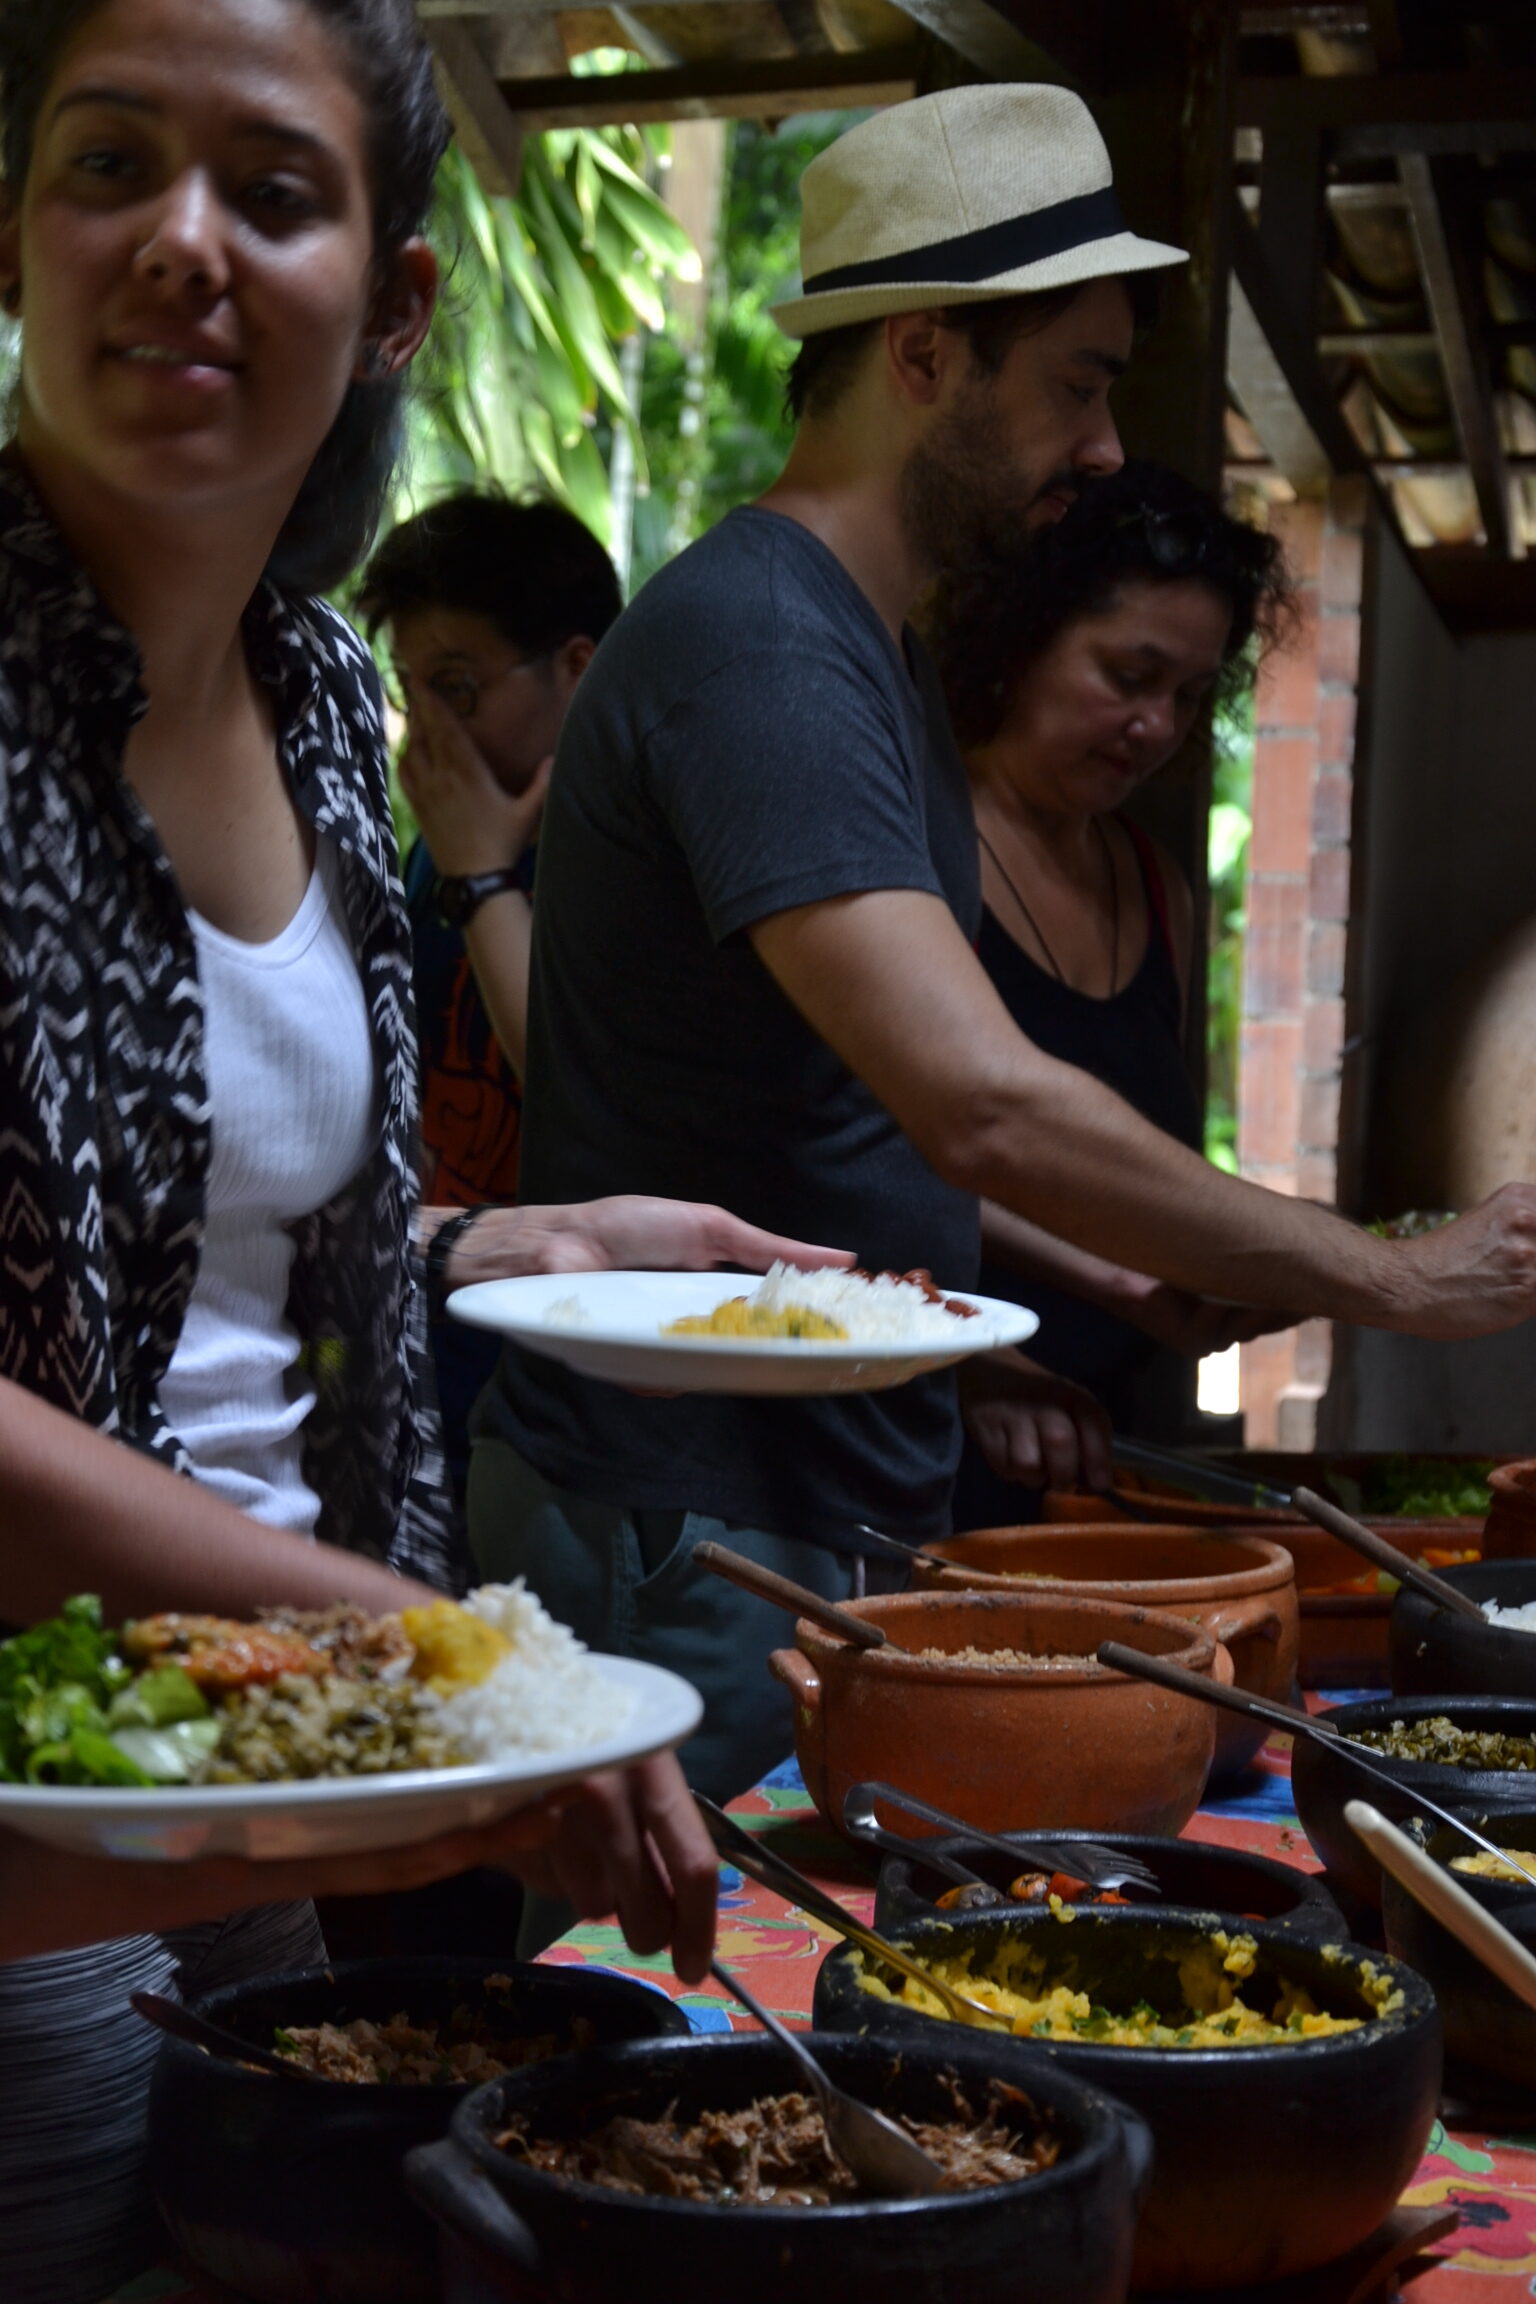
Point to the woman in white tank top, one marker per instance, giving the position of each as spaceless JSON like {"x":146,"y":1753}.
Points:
{"x":206,"y":1064}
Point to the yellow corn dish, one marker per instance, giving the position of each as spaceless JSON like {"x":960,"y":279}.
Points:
{"x":740,"y":1317}
{"x":1011,"y":1983}
{"x":453,"y":1648}
{"x":1505,"y":1867}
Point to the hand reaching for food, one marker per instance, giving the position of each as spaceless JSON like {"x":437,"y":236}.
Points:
{"x":1034,"y":1427}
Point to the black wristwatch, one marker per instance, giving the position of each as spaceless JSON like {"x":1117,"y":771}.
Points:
{"x":460,"y":896}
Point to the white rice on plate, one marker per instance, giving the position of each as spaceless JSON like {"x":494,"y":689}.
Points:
{"x":547,"y":1696}
{"x":875,"y":1308}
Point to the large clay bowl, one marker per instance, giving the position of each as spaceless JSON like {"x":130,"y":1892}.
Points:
{"x":1339,"y":1477}
{"x":1269,"y":2161}
{"x":1322,"y":1781}
{"x":1485,"y":2025}
{"x":289,"y":2191}
{"x":515,"y":2232}
{"x":1009,"y":1748}
{"x":1435,"y":1649}
{"x":1190,"y":1873}
{"x":1238,"y":1586}
{"x":1343,"y":1635}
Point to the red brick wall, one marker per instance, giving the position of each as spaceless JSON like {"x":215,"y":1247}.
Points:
{"x":1298,"y":921}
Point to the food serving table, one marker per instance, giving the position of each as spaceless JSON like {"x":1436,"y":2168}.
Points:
{"x":1489,"y":2179}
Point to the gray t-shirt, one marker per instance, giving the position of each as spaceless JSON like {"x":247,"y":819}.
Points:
{"x":746,"y":739}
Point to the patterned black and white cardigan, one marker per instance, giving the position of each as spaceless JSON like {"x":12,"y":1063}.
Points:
{"x":104,"y":1116}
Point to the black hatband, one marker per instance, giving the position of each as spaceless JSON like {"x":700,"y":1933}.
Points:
{"x":983,"y":254}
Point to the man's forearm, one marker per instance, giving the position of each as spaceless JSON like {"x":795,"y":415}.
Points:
{"x":1066,"y":1153}
{"x":85,"y":1513}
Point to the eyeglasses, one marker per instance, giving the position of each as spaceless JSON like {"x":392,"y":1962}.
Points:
{"x":460,"y":691}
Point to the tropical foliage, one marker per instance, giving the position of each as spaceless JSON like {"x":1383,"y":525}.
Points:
{"x":521,"y":382}
{"x":1231,"y":822}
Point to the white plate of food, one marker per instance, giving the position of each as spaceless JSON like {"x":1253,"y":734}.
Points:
{"x":794,"y":1332}
{"x":371,"y":1703}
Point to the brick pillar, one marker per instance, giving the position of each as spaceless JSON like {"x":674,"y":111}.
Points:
{"x":1298,"y":922}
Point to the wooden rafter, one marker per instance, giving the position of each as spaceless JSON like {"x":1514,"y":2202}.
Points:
{"x":1362,"y":116}
{"x":725,"y":90}
{"x":1449,"y":289}
{"x":486,"y":126}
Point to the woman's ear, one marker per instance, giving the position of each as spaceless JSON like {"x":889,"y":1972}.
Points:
{"x":400,"y":316}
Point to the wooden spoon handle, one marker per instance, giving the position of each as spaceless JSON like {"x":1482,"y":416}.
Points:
{"x":1376,"y":1549}
{"x":737,"y":1569}
{"x":1141,"y":1666}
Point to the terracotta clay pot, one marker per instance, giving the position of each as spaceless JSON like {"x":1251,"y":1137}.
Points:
{"x":1238,"y":1586}
{"x":1344,"y":1637}
{"x":1509,"y":1532}
{"x":1008,"y":1748}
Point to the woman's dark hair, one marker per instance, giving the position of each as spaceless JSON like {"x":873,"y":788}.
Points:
{"x":825,"y":365}
{"x":333,"y":519}
{"x":1145,"y":525}
{"x":532,"y":569}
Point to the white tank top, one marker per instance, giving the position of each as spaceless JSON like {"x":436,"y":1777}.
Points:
{"x":292,"y":1091}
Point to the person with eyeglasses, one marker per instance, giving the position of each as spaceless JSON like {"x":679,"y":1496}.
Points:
{"x":1073,"y":673}
{"x":492,"y":610}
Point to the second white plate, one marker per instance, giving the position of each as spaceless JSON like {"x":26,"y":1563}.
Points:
{"x":619,"y":1336}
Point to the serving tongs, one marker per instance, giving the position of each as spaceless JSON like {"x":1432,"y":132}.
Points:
{"x":772,"y":1872}
{"x":1166,"y":1675}
{"x":1089,"y":1860}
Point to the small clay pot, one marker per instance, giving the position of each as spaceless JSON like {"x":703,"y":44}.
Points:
{"x":1509,"y":1532}
{"x":1238,"y":1586}
{"x":1009,"y":1748}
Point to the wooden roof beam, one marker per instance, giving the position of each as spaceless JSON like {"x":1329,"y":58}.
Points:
{"x":769,"y":90}
{"x":488,"y":130}
{"x":1450,"y":289}
{"x":1363,"y":116}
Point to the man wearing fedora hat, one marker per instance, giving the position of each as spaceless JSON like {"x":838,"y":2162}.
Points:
{"x":753,"y":975}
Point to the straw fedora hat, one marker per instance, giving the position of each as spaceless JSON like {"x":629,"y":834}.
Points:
{"x":958,"y":198}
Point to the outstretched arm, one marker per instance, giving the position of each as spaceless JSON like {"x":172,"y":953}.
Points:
{"x":889,"y":981}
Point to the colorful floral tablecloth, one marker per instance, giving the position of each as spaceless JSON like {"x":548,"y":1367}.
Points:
{"x":1490,"y":2180}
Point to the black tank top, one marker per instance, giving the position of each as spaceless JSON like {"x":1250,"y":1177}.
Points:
{"x":1134,"y":1044}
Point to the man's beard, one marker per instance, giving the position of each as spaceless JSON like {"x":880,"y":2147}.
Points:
{"x":961,"y":504}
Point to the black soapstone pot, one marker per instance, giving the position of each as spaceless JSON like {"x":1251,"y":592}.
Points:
{"x":1435,"y":1651}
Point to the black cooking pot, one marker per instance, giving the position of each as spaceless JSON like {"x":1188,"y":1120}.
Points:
{"x":511,"y":2231}
{"x":1321,"y":1782}
{"x":1485,"y":2025}
{"x":1189,"y":1873}
{"x":1434,"y":1651}
{"x":289,"y":2191}
{"x":1270,"y":2161}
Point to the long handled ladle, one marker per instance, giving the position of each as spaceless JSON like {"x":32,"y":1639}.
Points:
{"x":1483,"y":1935}
{"x":1166,"y":1675}
{"x":1381,"y":1554}
{"x":884,"y":2158}
{"x":186,"y":2024}
{"x":736,"y":1568}
{"x":744,"y":1851}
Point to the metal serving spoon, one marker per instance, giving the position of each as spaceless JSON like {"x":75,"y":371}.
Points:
{"x":883,"y":2157}
{"x":1184,"y":1683}
{"x":743,"y":1850}
{"x":1086,"y":1860}
{"x":186,"y":2024}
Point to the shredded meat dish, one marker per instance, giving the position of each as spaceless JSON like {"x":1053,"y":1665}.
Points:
{"x":775,"y":2154}
{"x":356,"y":1645}
{"x":471,"y":2047}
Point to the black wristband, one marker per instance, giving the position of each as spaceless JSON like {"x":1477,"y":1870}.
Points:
{"x":441,"y":1246}
{"x":460,"y":896}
